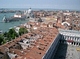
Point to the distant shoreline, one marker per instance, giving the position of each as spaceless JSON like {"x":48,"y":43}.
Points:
{"x":34,"y":9}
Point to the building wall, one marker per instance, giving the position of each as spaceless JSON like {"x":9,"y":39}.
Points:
{"x":52,"y":50}
{"x":70,"y":40}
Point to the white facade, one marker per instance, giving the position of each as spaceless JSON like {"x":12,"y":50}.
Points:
{"x":71,"y":37}
{"x":67,"y":13}
{"x":11,"y":56}
{"x":17,"y":29}
{"x":29,"y":11}
{"x":19,"y":16}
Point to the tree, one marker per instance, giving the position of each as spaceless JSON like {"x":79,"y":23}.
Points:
{"x":22,"y":31}
{"x":12,"y":34}
{"x":8,"y":36}
{"x":4,"y":41}
{"x":5,"y":34}
{"x":1,"y":39}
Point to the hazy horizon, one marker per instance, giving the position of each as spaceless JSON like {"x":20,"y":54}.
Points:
{"x":41,"y":4}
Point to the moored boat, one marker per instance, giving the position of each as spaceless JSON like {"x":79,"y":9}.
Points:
{"x":18,"y":16}
{"x":14,"y":18}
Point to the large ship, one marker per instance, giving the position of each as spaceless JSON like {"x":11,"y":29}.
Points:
{"x":18,"y":16}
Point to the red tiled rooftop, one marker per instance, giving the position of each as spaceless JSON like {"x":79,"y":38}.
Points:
{"x":41,"y":45}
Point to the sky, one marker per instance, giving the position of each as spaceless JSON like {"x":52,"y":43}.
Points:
{"x":52,"y":4}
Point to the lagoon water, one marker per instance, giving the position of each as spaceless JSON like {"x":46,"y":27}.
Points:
{"x":5,"y":26}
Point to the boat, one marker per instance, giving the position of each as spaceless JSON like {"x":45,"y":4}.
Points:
{"x":18,"y":16}
{"x":12,"y":19}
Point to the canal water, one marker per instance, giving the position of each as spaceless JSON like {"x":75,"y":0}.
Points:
{"x":5,"y":26}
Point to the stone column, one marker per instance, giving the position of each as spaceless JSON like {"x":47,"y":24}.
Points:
{"x":66,"y":37}
{"x":78,"y":44}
